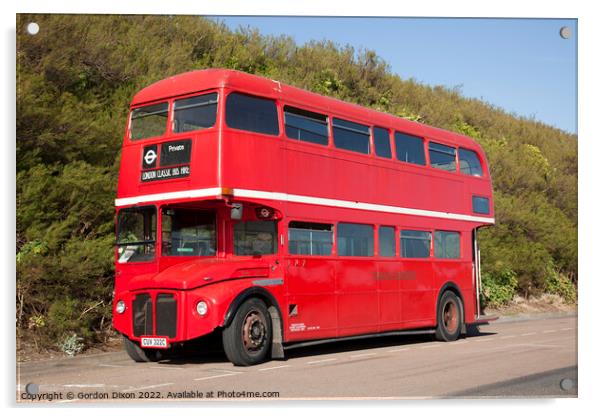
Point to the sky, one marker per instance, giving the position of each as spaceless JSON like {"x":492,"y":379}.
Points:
{"x":523,"y":66}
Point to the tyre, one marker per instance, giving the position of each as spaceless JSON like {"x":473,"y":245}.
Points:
{"x":139,"y":354}
{"x":449,"y":318}
{"x":248,"y":338}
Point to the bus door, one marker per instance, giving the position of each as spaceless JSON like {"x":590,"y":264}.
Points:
{"x":310,"y":281}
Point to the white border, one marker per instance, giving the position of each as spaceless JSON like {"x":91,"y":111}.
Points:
{"x":279,"y":196}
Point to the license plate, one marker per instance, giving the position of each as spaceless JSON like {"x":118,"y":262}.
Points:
{"x":148,"y":342}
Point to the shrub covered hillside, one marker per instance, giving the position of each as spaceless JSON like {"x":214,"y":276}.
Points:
{"x":76,"y":77}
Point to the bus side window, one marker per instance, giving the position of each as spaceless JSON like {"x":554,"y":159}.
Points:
{"x":355,"y":240}
{"x":442,"y":157}
{"x":382,"y":144}
{"x":351,"y":136}
{"x":409,"y":149}
{"x":415,"y":244}
{"x":305,"y":125}
{"x":469,"y":162}
{"x":447,"y":244}
{"x":386,"y":241}
{"x":310,"y":238}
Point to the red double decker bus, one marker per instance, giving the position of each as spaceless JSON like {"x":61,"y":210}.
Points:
{"x":278,"y":216}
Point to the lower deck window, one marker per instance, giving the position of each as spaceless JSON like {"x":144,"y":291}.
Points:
{"x":386,"y":241}
{"x":310,"y":238}
{"x":447,"y":244}
{"x":415,"y":244}
{"x":355,"y":240}
{"x":254,"y":238}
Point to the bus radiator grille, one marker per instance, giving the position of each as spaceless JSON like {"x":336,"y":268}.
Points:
{"x":167,"y":313}
{"x":143,"y":315}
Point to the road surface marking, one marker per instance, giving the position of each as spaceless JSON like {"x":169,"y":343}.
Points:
{"x":167,"y":368}
{"x":216,"y":376}
{"x":484,"y":340}
{"x":527,"y":334}
{"x":111,"y":365}
{"x":508,"y":336}
{"x":154,"y":386}
{"x":225,"y":371}
{"x":83,"y":386}
{"x":368,"y":354}
{"x":273,"y":368}
{"x":398,"y":350}
{"x":549,"y":331}
{"x":539,"y":345}
{"x":565,"y":329}
{"x":322,"y":361}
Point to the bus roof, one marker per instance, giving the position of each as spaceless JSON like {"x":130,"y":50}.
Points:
{"x":201,"y":80}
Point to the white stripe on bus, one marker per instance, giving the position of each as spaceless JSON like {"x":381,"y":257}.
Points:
{"x":279,"y":196}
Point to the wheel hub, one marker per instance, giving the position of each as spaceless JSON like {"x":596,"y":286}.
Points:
{"x":450,"y":317}
{"x":253,"y":331}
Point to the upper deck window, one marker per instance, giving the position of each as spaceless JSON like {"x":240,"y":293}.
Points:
{"x":195,"y":113}
{"x":442,"y":157}
{"x":148,"y":121}
{"x":469,"y":162}
{"x":250,"y":113}
{"x":305,"y":125}
{"x":409,"y":149}
{"x":351,"y":136}
{"x":382,"y":145}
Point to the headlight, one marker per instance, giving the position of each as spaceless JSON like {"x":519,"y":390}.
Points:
{"x":120,"y":307}
{"x":201,"y":308}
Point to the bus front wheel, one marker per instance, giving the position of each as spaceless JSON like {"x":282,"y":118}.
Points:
{"x":248,"y":338}
{"x":449,"y":318}
{"x":138,"y":354}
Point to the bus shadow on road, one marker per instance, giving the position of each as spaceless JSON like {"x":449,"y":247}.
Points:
{"x":208,"y":350}
{"x":367,"y":344}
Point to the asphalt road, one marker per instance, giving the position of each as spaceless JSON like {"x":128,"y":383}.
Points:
{"x":507,"y":359}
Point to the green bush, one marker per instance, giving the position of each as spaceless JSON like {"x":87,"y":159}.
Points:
{"x":559,"y":284}
{"x":498,"y":289}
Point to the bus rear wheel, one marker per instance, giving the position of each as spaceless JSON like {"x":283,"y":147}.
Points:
{"x":248,"y":338}
{"x":139,"y":354}
{"x":449,"y":318}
